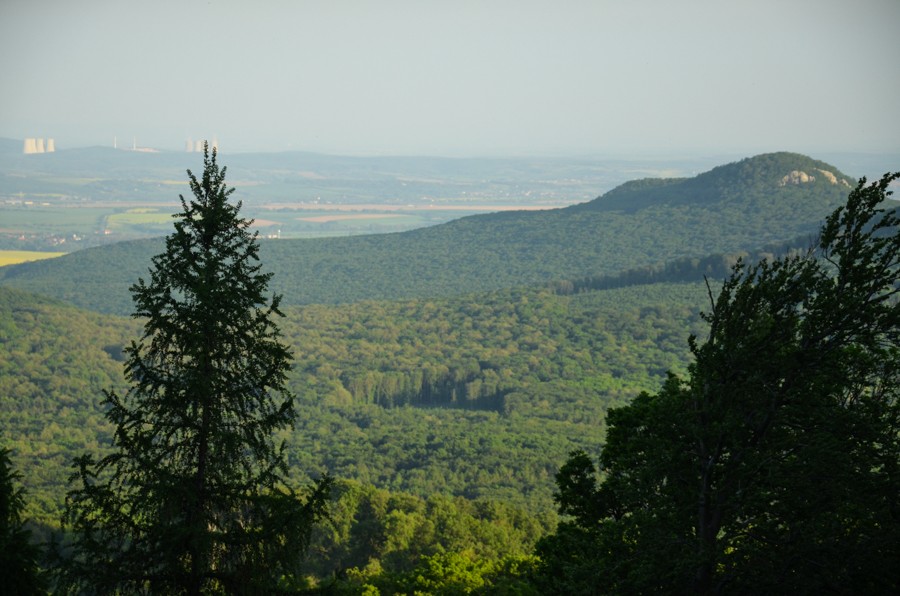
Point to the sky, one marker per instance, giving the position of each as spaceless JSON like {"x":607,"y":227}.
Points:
{"x":456,"y":78}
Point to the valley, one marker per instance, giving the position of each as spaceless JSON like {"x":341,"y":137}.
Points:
{"x":442,"y":373}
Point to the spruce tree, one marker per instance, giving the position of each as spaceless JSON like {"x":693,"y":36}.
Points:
{"x":193,"y":496}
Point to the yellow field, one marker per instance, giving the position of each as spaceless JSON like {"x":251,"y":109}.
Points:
{"x":12,"y":257}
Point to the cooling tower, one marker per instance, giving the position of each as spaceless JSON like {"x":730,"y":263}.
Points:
{"x":34,"y":145}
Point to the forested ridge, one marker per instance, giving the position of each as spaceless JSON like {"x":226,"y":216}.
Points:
{"x":446,"y":419}
{"x":737,"y":207}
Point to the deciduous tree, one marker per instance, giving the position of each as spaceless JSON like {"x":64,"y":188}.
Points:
{"x":774,"y":467}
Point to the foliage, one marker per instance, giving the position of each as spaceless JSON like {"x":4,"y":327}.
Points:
{"x":18,"y":555}
{"x":454,"y":573}
{"x":556,"y":363}
{"x":192,"y":497}
{"x":56,"y":361}
{"x":560,"y":362}
{"x":382,"y":538}
{"x":773,"y":467}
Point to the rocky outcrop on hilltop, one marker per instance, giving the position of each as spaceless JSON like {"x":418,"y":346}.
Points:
{"x":796,"y":177}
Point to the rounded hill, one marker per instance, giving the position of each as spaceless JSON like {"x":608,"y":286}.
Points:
{"x":771,"y":176}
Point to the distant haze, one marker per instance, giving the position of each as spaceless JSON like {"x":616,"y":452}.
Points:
{"x":460,"y":78}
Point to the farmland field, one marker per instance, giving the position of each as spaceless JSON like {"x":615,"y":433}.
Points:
{"x":13,"y":257}
{"x":140,"y":221}
{"x":40,"y":218}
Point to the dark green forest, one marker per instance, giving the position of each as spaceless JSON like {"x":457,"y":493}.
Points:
{"x":460,"y":381}
{"x":504,"y":377}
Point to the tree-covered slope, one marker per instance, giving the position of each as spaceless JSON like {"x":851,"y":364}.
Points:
{"x":480,"y":396}
{"x":741,"y":206}
{"x":54,"y":362}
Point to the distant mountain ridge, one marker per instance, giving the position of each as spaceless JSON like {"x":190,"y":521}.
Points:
{"x":734,"y":207}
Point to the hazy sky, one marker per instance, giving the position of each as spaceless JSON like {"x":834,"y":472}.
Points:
{"x":469,"y":78}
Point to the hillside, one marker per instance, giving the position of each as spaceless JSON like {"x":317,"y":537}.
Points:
{"x":739,"y":206}
{"x":479,"y":396}
{"x":752,"y":182}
